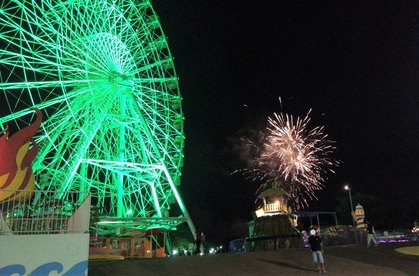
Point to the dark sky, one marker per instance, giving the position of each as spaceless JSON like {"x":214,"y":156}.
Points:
{"x":355,"y":64}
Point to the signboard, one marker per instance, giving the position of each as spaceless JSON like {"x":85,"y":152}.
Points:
{"x":43,"y":254}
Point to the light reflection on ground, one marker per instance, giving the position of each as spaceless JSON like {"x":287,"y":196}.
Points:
{"x":410,"y":250}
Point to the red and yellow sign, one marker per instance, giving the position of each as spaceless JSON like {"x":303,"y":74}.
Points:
{"x":16,"y":156}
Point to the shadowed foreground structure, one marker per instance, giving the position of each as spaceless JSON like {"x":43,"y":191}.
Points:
{"x":342,"y":260}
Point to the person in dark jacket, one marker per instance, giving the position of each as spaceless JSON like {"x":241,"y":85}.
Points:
{"x":199,"y":240}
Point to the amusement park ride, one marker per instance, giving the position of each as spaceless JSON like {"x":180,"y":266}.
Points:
{"x":102,"y":76}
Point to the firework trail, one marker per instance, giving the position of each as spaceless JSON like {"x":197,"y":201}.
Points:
{"x":293,"y":156}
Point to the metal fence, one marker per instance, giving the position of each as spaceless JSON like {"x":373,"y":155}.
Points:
{"x":360,"y":237}
{"x":42,"y":212}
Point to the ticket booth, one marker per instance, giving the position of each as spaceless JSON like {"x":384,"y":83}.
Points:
{"x":157,"y":236}
{"x":149,"y":244}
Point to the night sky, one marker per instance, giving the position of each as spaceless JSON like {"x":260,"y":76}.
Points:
{"x":355,"y":64}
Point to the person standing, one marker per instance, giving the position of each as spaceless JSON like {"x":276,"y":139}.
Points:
{"x":371,"y":232}
{"x":316,"y":247}
{"x":199,"y":239}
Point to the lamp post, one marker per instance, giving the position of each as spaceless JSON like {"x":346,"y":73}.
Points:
{"x":350,"y":201}
{"x":352,"y":210}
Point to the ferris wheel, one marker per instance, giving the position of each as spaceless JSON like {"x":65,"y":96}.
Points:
{"x":103,"y":76}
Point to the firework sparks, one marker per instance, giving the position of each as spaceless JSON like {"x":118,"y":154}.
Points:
{"x":293,"y":156}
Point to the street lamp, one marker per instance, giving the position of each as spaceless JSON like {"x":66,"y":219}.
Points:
{"x":352,"y":210}
{"x":350,"y":201}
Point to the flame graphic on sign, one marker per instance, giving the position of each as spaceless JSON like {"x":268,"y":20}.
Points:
{"x":16,"y":156}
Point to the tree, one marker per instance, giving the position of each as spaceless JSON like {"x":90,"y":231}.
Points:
{"x":376,"y":211}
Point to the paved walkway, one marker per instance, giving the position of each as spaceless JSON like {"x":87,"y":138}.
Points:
{"x":342,"y":260}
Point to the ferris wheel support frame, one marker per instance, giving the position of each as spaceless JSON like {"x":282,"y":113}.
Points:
{"x":102,"y":73}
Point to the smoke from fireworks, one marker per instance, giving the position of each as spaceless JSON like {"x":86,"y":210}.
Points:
{"x":292,"y":155}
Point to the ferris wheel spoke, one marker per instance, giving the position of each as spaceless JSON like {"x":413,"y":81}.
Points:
{"x":42,"y":84}
{"x":43,"y":105}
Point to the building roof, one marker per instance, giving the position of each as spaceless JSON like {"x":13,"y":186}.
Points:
{"x":273,"y":192}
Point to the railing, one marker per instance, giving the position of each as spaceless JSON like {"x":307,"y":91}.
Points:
{"x":395,"y":235}
{"x":42,"y":212}
{"x":274,"y":207}
{"x":346,"y":237}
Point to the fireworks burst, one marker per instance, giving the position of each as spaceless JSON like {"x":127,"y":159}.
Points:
{"x":293,"y":156}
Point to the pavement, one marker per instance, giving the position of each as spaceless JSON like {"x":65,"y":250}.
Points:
{"x":339,"y":260}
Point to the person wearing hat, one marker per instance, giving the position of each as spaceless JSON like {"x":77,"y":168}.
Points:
{"x":316,"y":247}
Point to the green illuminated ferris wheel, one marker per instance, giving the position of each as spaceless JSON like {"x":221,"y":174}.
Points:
{"x":102,"y":74}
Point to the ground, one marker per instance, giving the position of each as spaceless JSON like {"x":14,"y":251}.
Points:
{"x":339,"y":260}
